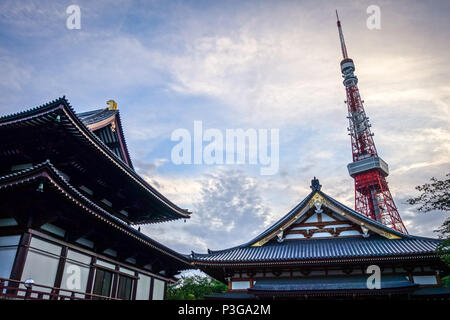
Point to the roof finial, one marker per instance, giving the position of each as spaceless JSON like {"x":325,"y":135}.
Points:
{"x":112,"y":105}
{"x":315,"y":184}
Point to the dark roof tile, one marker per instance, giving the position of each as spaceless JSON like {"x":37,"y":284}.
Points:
{"x":352,"y":247}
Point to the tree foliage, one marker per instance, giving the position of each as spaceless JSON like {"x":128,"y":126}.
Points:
{"x":436,"y":196}
{"x":443,"y":250}
{"x":194,"y":287}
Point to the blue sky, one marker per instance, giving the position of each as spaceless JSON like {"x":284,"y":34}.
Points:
{"x":243,"y":64}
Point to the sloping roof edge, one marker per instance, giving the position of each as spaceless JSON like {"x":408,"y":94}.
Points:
{"x":274,"y":228}
{"x":91,"y":120}
{"x":48,"y":171}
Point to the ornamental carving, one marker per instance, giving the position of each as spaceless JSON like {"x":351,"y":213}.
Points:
{"x":317,"y":198}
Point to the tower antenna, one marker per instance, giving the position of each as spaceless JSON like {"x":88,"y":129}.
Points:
{"x":341,"y":37}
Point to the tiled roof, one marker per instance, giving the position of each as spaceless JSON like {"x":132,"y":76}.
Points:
{"x":95,"y":116}
{"x":380,"y":242}
{"x":316,"y":249}
{"x":330,"y":283}
{"x":331,"y":248}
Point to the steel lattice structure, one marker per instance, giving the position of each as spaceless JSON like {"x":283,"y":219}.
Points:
{"x":372,"y":195}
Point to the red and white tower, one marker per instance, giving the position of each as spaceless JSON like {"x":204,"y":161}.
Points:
{"x":372,"y":195}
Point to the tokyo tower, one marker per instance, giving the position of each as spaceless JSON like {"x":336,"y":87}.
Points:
{"x":372,"y":195}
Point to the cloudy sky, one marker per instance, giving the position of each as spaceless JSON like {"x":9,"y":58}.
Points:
{"x":250,"y":65}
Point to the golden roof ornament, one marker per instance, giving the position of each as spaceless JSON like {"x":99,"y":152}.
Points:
{"x":112,"y":105}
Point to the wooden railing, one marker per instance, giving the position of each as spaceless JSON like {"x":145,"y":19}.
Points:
{"x":13,"y":289}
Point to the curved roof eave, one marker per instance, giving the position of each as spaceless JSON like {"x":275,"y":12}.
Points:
{"x":47,"y":170}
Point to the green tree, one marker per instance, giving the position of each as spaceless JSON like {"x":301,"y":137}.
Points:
{"x":194,"y":287}
{"x":436,"y":196}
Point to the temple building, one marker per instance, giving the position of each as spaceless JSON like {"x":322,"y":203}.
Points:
{"x":70,"y":203}
{"x":323,"y":249}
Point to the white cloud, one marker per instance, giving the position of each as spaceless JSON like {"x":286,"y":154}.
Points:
{"x":228,"y":212}
{"x":14,"y":74}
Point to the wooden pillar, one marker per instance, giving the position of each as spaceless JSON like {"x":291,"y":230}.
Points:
{"x":410,"y":276}
{"x":151,"y":288}
{"x":438,"y":278}
{"x":60,"y":270}
{"x":21,"y":255}
{"x":165,"y":290}
{"x":90,"y":282}
{"x":115,"y":282}
{"x":135,"y":283}
{"x":19,"y":262}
